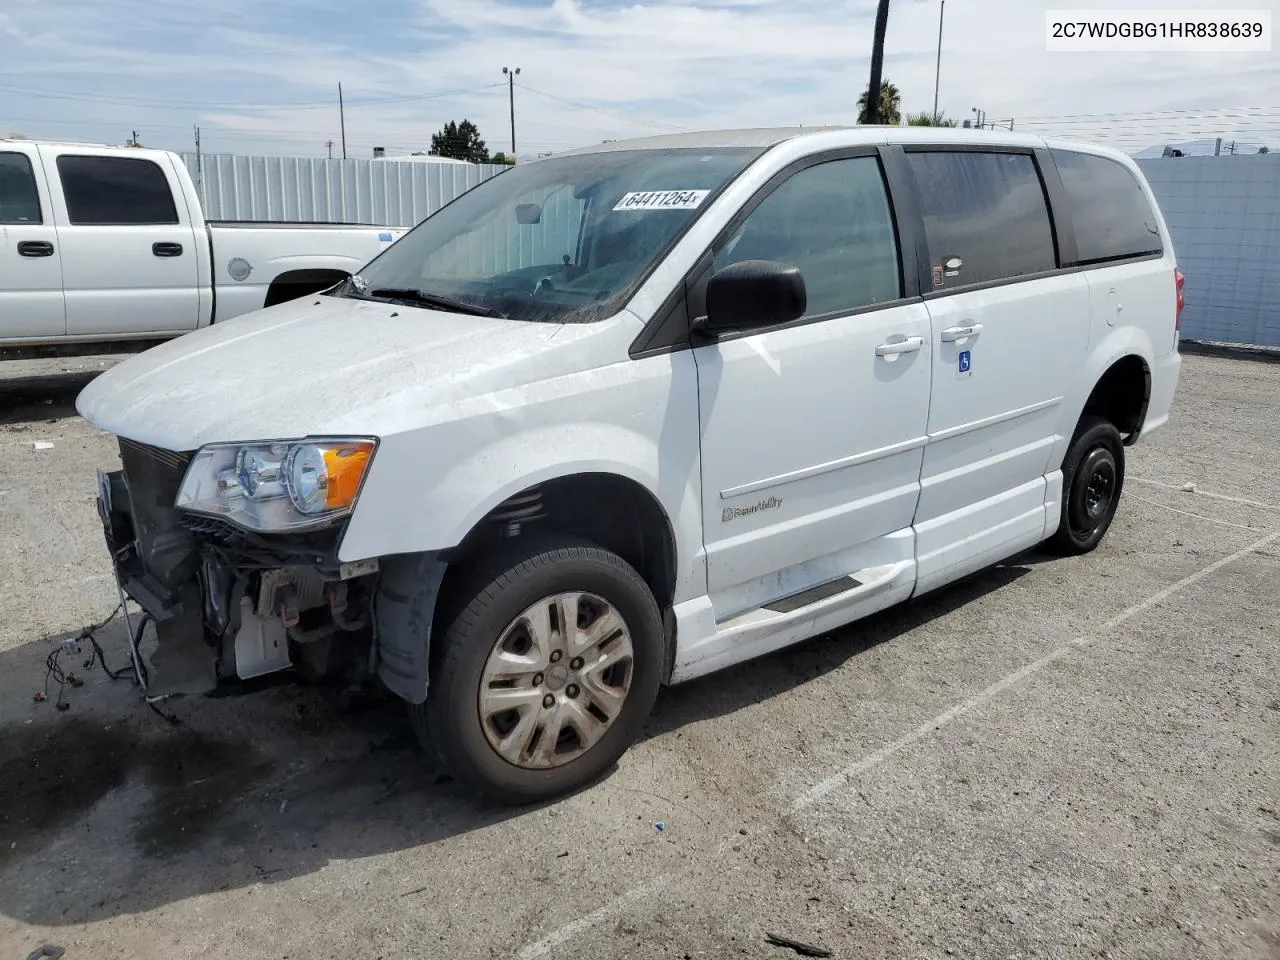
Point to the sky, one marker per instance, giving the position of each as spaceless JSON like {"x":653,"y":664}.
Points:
{"x":261,"y":76}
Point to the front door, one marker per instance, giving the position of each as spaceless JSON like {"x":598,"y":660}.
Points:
{"x":813,"y":432}
{"x":128,"y":246}
{"x":1009,"y":338}
{"x":31,"y":302}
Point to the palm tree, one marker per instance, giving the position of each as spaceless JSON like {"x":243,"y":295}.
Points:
{"x":871,"y":112}
{"x":926,"y":119}
{"x":890,"y":105}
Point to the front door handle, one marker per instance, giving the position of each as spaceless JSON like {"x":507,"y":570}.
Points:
{"x":896,"y":347}
{"x":961,"y":332}
{"x":167,"y":249}
{"x":35,"y":248}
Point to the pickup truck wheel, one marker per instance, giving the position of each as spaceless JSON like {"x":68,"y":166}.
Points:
{"x":546,"y":674}
{"x":1092,"y":478}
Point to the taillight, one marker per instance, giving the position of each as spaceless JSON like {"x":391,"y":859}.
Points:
{"x":1179,"y":283}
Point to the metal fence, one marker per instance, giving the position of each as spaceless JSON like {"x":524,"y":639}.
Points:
{"x":1224,"y":214}
{"x":293,"y":189}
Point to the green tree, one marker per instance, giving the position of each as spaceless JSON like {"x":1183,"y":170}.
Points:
{"x":926,"y":119}
{"x":890,"y":105}
{"x":461,"y":141}
{"x":501,"y":157}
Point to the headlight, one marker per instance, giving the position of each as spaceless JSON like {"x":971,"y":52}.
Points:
{"x":279,"y":485}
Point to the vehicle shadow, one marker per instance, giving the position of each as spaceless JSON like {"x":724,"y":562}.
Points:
{"x":107,"y":808}
{"x":746,"y":684}
{"x":43,"y":396}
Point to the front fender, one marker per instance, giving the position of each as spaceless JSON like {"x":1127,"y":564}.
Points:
{"x":428,"y":487}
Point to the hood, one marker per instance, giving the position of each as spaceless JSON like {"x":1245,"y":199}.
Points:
{"x":326,"y":365}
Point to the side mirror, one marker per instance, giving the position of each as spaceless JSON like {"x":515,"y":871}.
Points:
{"x":753,"y":293}
{"x":527,"y":213}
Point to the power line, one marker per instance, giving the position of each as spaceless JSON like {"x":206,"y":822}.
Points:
{"x":608,"y":113}
{"x":189,"y":105}
{"x":1148,"y":113}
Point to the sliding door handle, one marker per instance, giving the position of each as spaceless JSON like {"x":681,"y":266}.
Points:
{"x":897,"y":347}
{"x":961,"y":332}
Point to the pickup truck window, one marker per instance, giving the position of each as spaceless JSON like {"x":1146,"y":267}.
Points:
{"x":19,"y":202}
{"x":832,"y":221}
{"x":115,"y":191}
{"x":561,"y":240}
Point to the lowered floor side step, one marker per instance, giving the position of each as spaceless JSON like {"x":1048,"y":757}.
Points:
{"x":807,"y":598}
{"x":781,"y":622}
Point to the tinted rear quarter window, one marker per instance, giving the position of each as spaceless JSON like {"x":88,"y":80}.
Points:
{"x":19,"y":202}
{"x":985,"y":210}
{"x":115,"y":191}
{"x":1112,"y":217}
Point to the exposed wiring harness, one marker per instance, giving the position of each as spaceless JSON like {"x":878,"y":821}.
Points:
{"x":54,"y":669}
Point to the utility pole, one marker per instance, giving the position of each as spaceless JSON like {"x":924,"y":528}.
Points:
{"x":511,"y":92}
{"x":342,"y":121}
{"x":329,"y":144}
{"x":937,"y":77}
{"x":133,"y":139}
{"x":877,"y":63}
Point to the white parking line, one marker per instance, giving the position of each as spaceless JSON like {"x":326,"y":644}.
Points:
{"x":1198,"y":516}
{"x":566,"y":933}
{"x":837,"y":780}
{"x":563,"y":935}
{"x":1206,"y":493}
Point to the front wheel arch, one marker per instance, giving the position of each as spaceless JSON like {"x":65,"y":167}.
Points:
{"x":489,"y":593}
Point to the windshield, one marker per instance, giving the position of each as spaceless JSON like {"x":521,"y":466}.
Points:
{"x":562,"y":240}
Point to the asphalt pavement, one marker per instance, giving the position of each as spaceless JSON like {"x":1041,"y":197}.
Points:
{"x":1054,"y":758}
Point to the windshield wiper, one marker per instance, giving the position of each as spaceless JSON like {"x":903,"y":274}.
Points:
{"x":435,"y":300}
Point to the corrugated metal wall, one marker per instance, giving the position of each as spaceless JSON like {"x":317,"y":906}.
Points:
{"x":381,"y":192}
{"x":1224,"y":214}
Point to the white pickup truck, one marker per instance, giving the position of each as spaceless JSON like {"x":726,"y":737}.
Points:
{"x":103,"y":245}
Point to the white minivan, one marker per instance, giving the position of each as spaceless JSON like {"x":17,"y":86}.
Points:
{"x":634,"y":413}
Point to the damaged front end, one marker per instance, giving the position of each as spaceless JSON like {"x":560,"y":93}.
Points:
{"x":230,"y":603}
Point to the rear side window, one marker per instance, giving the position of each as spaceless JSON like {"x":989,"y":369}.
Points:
{"x":985,"y":216}
{"x":104,"y":191}
{"x":1112,"y":217}
{"x":19,"y":202}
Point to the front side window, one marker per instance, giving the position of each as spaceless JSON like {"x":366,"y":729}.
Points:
{"x":834,"y":223}
{"x":115,"y":191}
{"x":1112,"y":217}
{"x":985,"y":216}
{"x":19,"y":202}
{"x":561,"y":240}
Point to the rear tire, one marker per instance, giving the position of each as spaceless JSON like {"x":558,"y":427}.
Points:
{"x":1092,"y":480}
{"x":545,"y":673}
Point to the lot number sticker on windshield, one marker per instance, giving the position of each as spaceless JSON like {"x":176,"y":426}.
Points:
{"x":663,"y":200}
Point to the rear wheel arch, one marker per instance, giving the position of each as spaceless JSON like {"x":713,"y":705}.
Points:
{"x":293,"y":284}
{"x":1121,"y":396}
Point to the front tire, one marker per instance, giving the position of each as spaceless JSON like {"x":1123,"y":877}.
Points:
{"x":1092,"y":480}
{"x":545,"y":674}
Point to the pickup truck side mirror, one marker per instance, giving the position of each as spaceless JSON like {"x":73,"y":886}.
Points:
{"x":753,"y":293}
